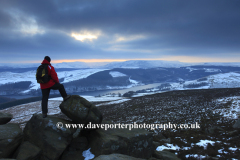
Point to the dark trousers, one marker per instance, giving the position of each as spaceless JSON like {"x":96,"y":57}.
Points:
{"x":45,"y":95}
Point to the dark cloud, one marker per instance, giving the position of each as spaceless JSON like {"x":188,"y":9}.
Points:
{"x":169,"y":27}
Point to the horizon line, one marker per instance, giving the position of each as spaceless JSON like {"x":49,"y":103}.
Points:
{"x":182,"y":59}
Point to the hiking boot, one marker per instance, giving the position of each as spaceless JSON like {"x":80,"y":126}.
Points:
{"x":44,"y":115}
{"x":66,"y":98}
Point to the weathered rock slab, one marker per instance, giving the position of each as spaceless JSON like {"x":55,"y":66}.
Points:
{"x":116,"y":157}
{"x":136,"y":142}
{"x":5,"y":118}
{"x":75,"y":149}
{"x":78,"y":144}
{"x":28,"y":151}
{"x":73,"y":155}
{"x":80,"y":110}
{"x":155,"y":145}
{"x":44,"y":133}
{"x":10,"y":138}
{"x":165,"y":155}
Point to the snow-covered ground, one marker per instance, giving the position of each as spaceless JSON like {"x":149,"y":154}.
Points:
{"x":133,"y":81}
{"x":205,"y":69}
{"x":221,"y":80}
{"x":23,"y":113}
{"x":202,"y":143}
{"x":114,"y":102}
{"x":93,"y":99}
{"x":77,"y":74}
{"x":117,"y":74}
{"x":233,"y":110}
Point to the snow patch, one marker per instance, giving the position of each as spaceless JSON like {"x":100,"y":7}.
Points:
{"x":117,"y":74}
{"x":77,"y":74}
{"x":195,"y":156}
{"x":114,"y":102}
{"x":232,"y":110}
{"x":204,"y":143}
{"x":87,"y":154}
{"x":133,"y":81}
{"x":212,"y":70}
{"x":92,"y":98}
{"x":168,"y":146}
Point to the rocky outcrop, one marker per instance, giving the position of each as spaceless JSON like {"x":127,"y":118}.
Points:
{"x":44,"y":133}
{"x":161,"y":139}
{"x":135,"y":142}
{"x":10,"y":138}
{"x":28,"y":151}
{"x":237,"y":124}
{"x":73,"y":155}
{"x":116,"y":157}
{"x":165,"y":155}
{"x":155,"y":145}
{"x":80,"y":110}
{"x":49,"y":139}
{"x":75,"y":149}
{"x":5,"y":118}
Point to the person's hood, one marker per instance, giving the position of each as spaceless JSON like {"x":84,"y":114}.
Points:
{"x":46,"y":62}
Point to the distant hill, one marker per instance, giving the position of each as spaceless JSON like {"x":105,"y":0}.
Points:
{"x":146,"y":64}
{"x":5,"y":99}
{"x":81,"y":80}
{"x":111,"y":65}
{"x":15,"y":102}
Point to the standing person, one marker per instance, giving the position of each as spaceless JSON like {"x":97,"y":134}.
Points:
{"x":53,"y":83}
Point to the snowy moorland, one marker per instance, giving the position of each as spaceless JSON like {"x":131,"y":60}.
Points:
{"x":221,"y":80}
{"x":216,"y":110}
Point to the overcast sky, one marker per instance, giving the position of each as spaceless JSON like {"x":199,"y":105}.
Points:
{"x":107,"y":30}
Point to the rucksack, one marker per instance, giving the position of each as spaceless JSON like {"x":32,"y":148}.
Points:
{"x":42,"y":74}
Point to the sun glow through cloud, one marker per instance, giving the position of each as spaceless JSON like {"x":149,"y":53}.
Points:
{"x":129,"y":38}
{"x":81,"y":37}
{"x":85,"y":35}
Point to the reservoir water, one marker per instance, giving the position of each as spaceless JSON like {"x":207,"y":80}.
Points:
{"x":122,"y":91}
{"x":101,"y":92}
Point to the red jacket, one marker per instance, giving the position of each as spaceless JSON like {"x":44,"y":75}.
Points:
{"x":52,"y":73}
